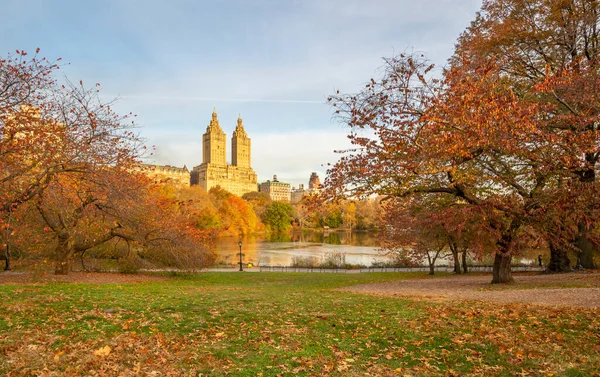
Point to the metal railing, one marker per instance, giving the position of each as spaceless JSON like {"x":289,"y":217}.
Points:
{"x":389,"y":269}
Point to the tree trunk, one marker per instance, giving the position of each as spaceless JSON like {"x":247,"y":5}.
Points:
{"x":7,"y":257}
{"x":559,"y":260}
{"x":455,"y":257}
{"x":62,"y":267}
{"x":502,"y":272}
{"x":587,"y":250}
{"x":586,"y":256}
{"x":62,"y":256}
{"x":464,"y":261}
{"x":457,"y":268}
{"x":431,"y":269}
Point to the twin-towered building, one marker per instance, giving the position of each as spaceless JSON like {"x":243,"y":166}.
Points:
{"x":237,"y":178}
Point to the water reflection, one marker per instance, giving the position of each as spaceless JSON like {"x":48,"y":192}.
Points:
{"x":327,"y":237}
{"x":279,"y":249}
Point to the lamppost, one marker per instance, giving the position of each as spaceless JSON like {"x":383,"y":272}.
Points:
{"x":240,"y":245}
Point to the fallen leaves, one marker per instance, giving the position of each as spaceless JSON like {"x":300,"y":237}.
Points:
{"x":103,"y":351}
{"x":204,"y":334}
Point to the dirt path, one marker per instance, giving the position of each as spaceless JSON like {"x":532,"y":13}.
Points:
{"x":577,"y":289}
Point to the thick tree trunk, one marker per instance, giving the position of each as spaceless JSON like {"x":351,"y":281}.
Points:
{"x":559,"y":260}
{"x":62,"y":256}
{"x":457,"y":268}
{"x":431,"y":269}
{"x":587,"y":250}
{"x":62,"y":267}
{"x":502,"y":272}
{"x":586,"y":256}
{"x":7,"y":258}
{"x":454,"y":249}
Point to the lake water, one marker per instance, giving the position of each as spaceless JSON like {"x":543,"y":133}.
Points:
{"x":357,"y":247}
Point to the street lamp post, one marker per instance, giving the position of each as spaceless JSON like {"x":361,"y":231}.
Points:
{"x":240,"y":245}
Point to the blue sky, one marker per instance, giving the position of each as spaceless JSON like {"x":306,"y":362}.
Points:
{"x":272,"y":61}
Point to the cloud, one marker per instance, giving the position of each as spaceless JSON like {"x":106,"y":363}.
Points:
{"x":273,"y":61}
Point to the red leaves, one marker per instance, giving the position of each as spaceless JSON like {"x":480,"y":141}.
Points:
{"x":514,"y":114}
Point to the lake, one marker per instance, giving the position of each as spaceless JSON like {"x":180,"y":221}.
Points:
{"x":358,"y":248}
{"x":280,"y":250}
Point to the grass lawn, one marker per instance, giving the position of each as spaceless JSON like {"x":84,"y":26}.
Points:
{"x":281,"y":324}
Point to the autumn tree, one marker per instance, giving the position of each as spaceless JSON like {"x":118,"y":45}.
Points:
{"x":64,"y":150}
{"x":161,"y":228}
{"x":368,"y":213}
{"x":258,"y":200}
{"x":84,"y":212}
{"x":236,"y":216}
{"x":199,"y":205}
{"x":425,"y":228}
{"x":549,"y":53}
{"x":302,"y":214}
{"x":406,"y":236}
{"x":24,"y":88}
{"x":51,"y":130}
{"x":467,"y":135}
{"x":349,"y":214}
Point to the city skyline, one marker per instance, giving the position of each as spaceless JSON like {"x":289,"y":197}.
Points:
{"x":274,"y":63}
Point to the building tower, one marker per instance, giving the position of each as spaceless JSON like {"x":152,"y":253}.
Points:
{"x":214,"y":143}
{"x":238,"y":178}
{"x":240,"y":146}
{"x":314,"y":182}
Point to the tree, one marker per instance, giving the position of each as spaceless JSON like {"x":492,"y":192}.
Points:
{"x":50,"y":128}
{"x":51,"y":131}
{"x":406,"y":236}
{"x":198,"y":204}
{"x":84,"y":212}
{"x":549,"y":52}
{"x":368,"y":213}
{"x":278,"y":216}
{"x":236,"y":217}
{"x":467,"y":135}
{"x":349,"y":214}
{"x":258,"y":200}
{"x":424,"y":227}
{"x":68,"y":153}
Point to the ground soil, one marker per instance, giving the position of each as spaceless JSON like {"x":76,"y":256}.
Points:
{"x":575,"y":289}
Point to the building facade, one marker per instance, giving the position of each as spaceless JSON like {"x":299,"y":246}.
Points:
{"x":278,"y":191}
{"x":314,"y":186}
{"x":314,"y":183}
{"x":237,"y":178}
{"x":179,"y":177}
{"x":297,"y":194}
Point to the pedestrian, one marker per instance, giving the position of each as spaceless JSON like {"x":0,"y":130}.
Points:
{"x":540,"y":260}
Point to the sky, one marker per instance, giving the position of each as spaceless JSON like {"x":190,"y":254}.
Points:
{"x":274,"y":62}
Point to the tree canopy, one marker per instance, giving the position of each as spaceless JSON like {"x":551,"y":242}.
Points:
{"x":515,"y":144}
{"x":68,"y":157}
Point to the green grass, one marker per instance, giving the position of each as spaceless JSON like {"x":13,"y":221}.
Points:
{"x":270,"y":324}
